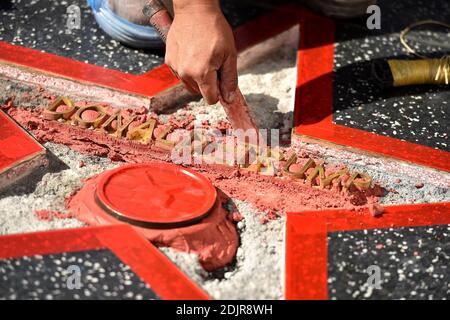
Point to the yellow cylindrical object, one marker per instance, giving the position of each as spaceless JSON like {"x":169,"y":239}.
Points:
{"x":416,"y":72}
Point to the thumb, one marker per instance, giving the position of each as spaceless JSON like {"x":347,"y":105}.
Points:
{"x":229,"y":78}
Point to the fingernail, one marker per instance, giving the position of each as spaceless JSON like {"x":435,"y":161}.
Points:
{"x":230,"y":96}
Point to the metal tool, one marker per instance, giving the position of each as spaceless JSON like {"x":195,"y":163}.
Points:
{"x":237,"y":111}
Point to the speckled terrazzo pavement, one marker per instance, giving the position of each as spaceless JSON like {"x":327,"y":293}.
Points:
{"x":102,"y":276}
{"x":414,"y":263}
{"x":418,"y":114}
{"x":41,"y":25}
{"x":256,"y":274}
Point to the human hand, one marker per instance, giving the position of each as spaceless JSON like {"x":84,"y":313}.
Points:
{"x":201,"y":50}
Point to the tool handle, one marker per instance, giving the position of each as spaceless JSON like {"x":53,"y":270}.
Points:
{"x":159,"y":17}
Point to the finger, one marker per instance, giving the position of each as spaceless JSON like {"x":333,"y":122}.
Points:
{"x":191,"y":86}
{"x":174,"y":72}
{"x":209,"y":88}
{"x":229,"y":78}
{"x":189,"y":82}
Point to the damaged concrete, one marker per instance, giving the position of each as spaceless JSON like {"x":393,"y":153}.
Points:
{"x":256,"y":271}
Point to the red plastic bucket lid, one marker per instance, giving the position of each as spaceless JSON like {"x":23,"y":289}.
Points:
{"x":156,"y":195}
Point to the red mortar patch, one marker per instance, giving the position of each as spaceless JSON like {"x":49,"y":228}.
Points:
{"x":182,"y":213}
{"x":266,"y":193}
{"x":48,"y":215}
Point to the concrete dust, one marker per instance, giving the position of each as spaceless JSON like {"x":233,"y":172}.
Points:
{"x":256,"y":273}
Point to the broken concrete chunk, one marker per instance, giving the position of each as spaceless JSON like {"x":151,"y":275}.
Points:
{"x":20,"y":153}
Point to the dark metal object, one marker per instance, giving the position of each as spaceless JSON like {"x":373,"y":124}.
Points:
{"x":158,"y":16}
{"x":381,"y":72}
{"x":152,"y":7}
